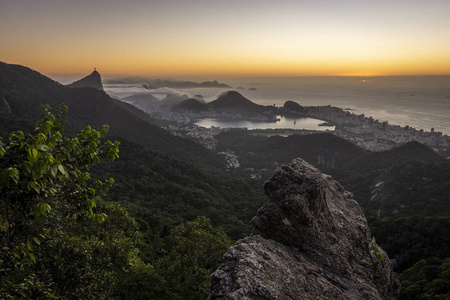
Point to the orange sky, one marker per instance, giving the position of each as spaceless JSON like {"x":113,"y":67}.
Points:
{"x":228,"y":38}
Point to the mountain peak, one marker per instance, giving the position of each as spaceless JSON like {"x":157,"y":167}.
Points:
{"x":93,"y":80}
{"x":234,"y":102}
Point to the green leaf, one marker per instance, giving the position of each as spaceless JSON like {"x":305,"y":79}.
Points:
{"x":43,"y":148}
{"x":37,"y":241}
{"x":2,"y":151}
{"x":48,"y":208}
{"x":54,"y":170}
{"x":92,"y":203}
{"x":99,"y":218}
{"x":29,"y":246}
{"x":32,"y":257}
{"x":13,"y":173}
{"x":34,"y":153}
{"x":34,"y":186}
{"x":41,"y":208}
{"x":36,"y":210}
{"x":28,"y":165}
{"x":62,"y":170}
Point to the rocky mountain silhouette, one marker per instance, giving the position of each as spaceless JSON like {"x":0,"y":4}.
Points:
{"x":93,"y":80}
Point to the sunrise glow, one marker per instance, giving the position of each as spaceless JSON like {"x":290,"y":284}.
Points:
{"x":251,"y":38}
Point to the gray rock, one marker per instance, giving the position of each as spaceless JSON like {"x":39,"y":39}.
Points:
{"x":310,"y":241}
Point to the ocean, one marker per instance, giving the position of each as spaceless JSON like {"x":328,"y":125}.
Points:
{"x":422,"y":102}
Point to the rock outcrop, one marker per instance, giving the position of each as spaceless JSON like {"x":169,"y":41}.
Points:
{"x":92,"y":80}
{"x":310,"y":241}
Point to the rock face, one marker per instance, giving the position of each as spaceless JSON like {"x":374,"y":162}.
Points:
{"x":310,"y":241}
{"x":92,"y":80}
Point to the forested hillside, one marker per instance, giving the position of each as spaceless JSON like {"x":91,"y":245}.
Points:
{"x":178,"y":204}
{"x":165,"y":182}
{"x":403,"y":191}
{"x":25,"y":91}
{"x":408,"y":180}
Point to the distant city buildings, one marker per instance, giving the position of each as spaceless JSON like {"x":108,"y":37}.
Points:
{"x":374,"y":135}
{"x":363,"y":131}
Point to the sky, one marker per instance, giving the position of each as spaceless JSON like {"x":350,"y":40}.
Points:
{"x":180,"y":38}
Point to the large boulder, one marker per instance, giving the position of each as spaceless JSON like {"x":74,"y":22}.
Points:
{"x":310,"y":241}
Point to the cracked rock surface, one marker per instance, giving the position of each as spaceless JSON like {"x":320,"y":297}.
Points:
{"x":310,"y":241}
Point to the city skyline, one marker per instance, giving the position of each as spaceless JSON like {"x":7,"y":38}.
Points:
{"x":233,"y":38}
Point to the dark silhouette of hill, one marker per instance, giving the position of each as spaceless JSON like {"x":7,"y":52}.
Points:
{"x":158,"y":83}
{"x":93,"y":80}
{"x":214,"y":84}
{"x":230,"y":102}
{"x":187,"y":84}
{"x":324,"y":150}
{"x":141,"y":97}
{"x":143,"y":101}
{"x":410,"y":151}
{"x":413,"y":187}
{"x":190,"y":104}
{"x":234,"y":102}
{"x":294,"y":106}
{"x":171,"y":100}
{"x":410,"y":179}
{"x":26,"y":91}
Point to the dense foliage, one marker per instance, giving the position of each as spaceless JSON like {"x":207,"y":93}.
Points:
{"x":61,"y":240}
{"x":164,"y":192}
{"x":408,"y":180}
{"x":404,"y":193}
{"x":427,"y":279}
{"x":409,"y":239}
{"x":57,"y":239}
{"x":193,"y":250}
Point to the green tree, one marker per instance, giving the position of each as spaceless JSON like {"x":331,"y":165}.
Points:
{"x":196,"y":251}
{"x":57,"y":240}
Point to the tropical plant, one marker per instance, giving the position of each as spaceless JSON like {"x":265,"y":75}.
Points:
{"x":57,"y":240}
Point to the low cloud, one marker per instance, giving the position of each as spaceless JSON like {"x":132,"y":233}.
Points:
{"x":120,"y":91}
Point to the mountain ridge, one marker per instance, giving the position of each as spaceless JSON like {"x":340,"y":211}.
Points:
{"x":172,"y":83}
{"x":26,"y":91}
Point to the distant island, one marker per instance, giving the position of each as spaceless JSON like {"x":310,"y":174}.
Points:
{"x":171,"y":83}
